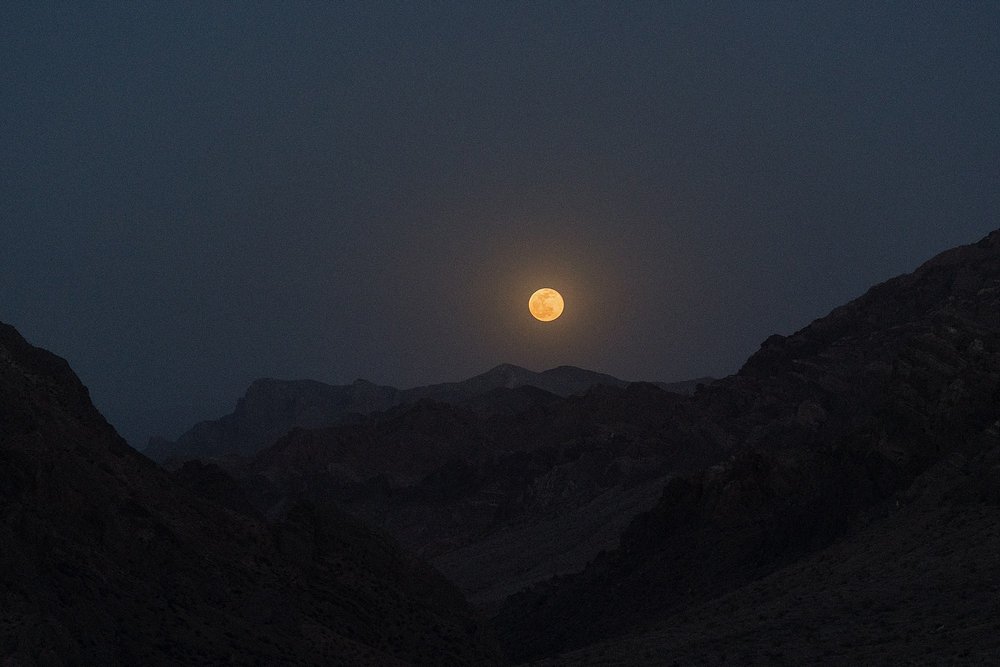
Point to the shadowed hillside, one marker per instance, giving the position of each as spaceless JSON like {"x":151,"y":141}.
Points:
{"x":106,"y":559}
{"x":823,"y":427}
{"x":914,"y":582}
{"x":504,"y":490}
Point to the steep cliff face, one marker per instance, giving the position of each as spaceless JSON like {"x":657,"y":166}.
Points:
{"x":106,"y":559}
{"x":820,"y":427}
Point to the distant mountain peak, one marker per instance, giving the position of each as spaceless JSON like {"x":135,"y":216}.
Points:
{"x":507,"y":368}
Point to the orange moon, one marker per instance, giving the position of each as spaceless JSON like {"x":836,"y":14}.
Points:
{"x":546,"y":304}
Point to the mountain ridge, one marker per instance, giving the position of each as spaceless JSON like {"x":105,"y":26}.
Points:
{"x":460,"y":484}
{"x":271,"y":407}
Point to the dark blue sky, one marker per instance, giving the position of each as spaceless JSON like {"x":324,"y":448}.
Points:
{"x":197,"y":194}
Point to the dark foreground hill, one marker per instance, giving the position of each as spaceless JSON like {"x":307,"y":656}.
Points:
{"x":913,"y":583}
{"x":854,"y":518}
{"x":270,"y":408}
{"x":106,"y":559}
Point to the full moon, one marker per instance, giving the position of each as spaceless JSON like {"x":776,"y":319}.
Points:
{"x":546,"y":304}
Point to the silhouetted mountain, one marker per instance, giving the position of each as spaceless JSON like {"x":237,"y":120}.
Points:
{"x":106,"y":559}
{"x":827,"y":430}
{"x":272,"y":408}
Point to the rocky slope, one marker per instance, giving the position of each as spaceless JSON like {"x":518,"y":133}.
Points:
{"x":107,"y":559}
{"x":821,"y":427}
{"x":914,"y":582}
{"x":270,"y":408}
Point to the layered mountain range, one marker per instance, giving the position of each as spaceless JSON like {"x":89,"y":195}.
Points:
{"x":836,"y":500}
{"x":270,"y":408}
{"x":501,"y":480}
{"x":511,"y":488}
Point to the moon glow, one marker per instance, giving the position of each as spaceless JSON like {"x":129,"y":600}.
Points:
{"x":546,"y":304}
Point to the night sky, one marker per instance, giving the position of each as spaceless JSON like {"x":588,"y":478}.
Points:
{"x":194,"y":195}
